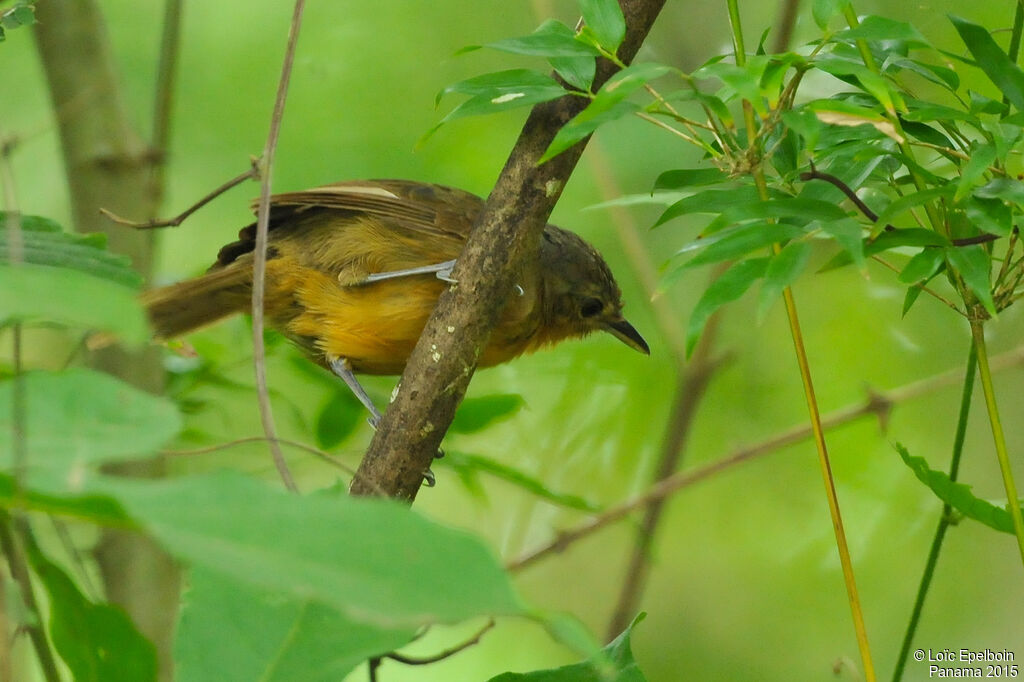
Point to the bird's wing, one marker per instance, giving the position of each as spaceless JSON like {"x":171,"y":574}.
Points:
{"x":408,"y":210}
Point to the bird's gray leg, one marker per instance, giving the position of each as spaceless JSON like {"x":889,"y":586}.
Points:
{"x":442,"y":271}
{"x":342,"y":368}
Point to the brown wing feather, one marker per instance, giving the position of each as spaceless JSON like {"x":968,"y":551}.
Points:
{"x":442,"y":212}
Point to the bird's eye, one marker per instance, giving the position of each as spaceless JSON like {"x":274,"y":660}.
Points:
{"x":591,"y":307}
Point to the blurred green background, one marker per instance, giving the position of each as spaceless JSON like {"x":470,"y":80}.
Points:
{"x":745,"y":582}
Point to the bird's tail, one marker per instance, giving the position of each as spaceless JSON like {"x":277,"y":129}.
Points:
{"x":180,"y":308}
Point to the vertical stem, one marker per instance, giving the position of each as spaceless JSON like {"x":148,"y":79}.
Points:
{"x":11,"y":546}
{"x":1012,"y":499}
{"x":805,"y":375}
{"x":944,"y":519}
{"x":1018,"y":26}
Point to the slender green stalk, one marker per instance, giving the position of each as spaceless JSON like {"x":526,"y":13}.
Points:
{"x":1018,"y":26}
{"x":808,"y":385}
{"x":944,"y":519}
{"x":11,"y":546}
{"x":1013,"y":504}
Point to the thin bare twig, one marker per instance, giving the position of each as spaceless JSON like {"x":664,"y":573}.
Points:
{"x":259,"y":269}
{"x":447,"y":653}
{"x":180,"y":218}
{"x":878,"y":404}
{"x":170,"y":46}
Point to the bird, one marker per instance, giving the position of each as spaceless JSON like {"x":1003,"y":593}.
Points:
{"x":355,"y":268}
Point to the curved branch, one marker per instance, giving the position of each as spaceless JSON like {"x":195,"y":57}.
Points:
{"x":506,"y":233}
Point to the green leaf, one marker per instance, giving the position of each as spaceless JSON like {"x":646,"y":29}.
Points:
{"x":551,"y":39}
{"x":991,"y":59}
{"x":922,"y":266}
{"x":974,"y":264}
{"x":98,"y":509}
{"x":615,"y":665}
{"x":957,"y":495}
{"x":375,"y":561}
{"x":905,"y":203}
{"x":605,"y":19}
{"x":1007,"y":189}
{"x":989,"y":215}
{"x":878,"y":28}
{"x":467,"y":465}
{"x":337,"y":419}
{"x":232,"y":632}
{"x":840,"y":113}
{"x":783,"y":269}
{"x":577,"y":71}
{"x":743,"y":240}
{"x":824,"y":10}
{"x":42,"y":293}
{"x":80,"y":418}
{"x":476,"y":414}
{"x":501,"y":83}
{"x":608,"y":105}
{"x":849,"y":234}
{"x":709,"y":201}
{"x":982,"y":156}
{"x":97,"y":641}
{"x":732,"y":284}
{"x":688,"y":177}
{"x":804,"y":210}
{"x":45,"y":243}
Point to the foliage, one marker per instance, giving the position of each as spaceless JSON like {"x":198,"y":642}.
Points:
{"x":22,"y":14}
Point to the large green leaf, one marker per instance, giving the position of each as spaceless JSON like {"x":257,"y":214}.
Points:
{"x":975,"y":265}
{"x":232,"y":632}
{"x":31,"y":293}
{"x":44,"y":242}
{"x":98,"y":642}
{"x":80,"y":418}
{"x":615,"y":665}
{"x":374,"y":561}
{"x":551,"y":39}
{"x":476,"y":414}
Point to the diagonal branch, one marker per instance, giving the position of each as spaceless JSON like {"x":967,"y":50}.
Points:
{"x":506,"y":234}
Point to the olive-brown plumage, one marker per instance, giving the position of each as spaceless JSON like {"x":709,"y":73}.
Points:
{"x":323,"y":245}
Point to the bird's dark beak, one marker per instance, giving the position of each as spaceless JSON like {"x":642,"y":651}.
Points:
{"x":625,"y":332}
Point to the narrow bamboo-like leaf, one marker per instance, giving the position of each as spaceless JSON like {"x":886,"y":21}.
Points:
{"x":732,"y":284}
{"x":782,"y":271}
{"x":500,"y":83}
{"x":688,"y":177}
{"x":467,"y":465}
{"x":905,"y":203}
{"x":914,"y":292}
{"x":982,"y":156}
{"x":744,"y":240}
{"x":795,"y":209}
{"x":97,"y":641}
{"x":849,"y":234}
{"x":605,"y":19}
{"x":989,"y":215}
{"x":615,"y":665}
{"x":957,"y":495}
{"x":922,"y":265}
{"x":974,"y":264}
{"x":584,"y":124}
{"x":476,"y":414}
{"x":35,"y":293}
{"x":78,"y":419}
{"x":230,"y":631}
{"x":1007,"y":189}
{"x":577,"y":71}
{"x":876,"y":28}
{"x":991,"y":59}
{"x":837,"y":112}
{"x":824,"y":10}
{"x":709,"y":201}
{"x":100,"y":510}
{"x":551,"y":39}
{"x":375,"y":561}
